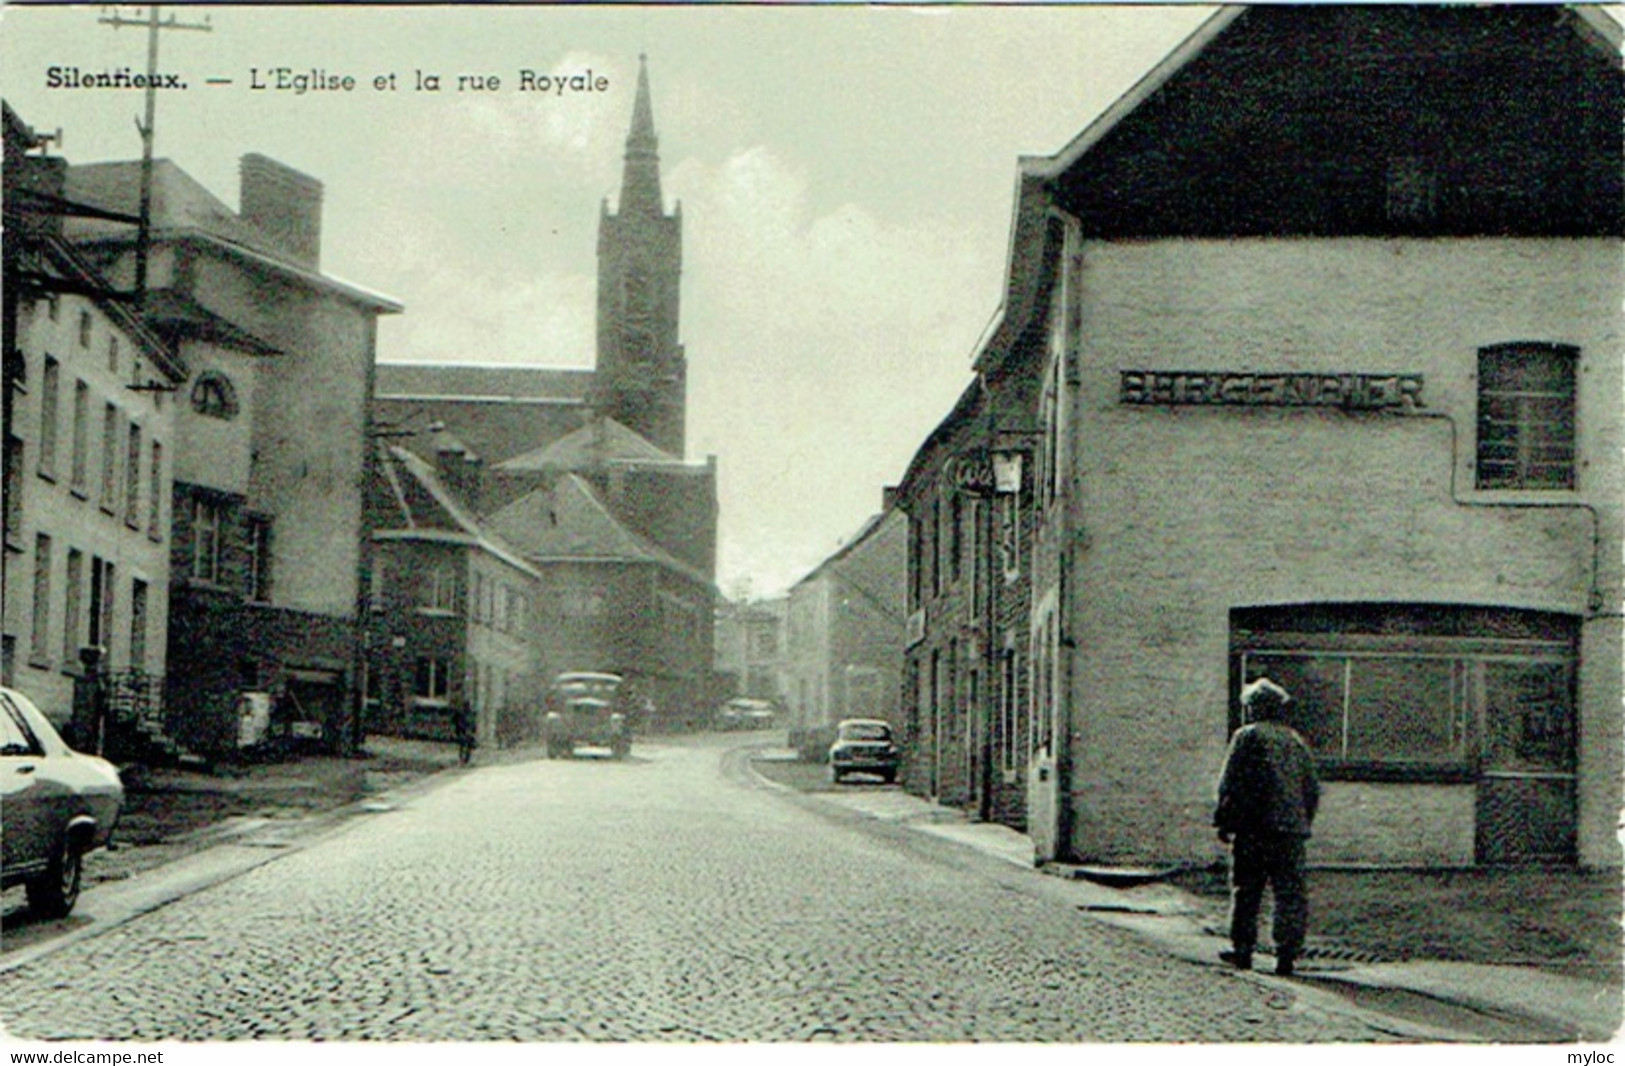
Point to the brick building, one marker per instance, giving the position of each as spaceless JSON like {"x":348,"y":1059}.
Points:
{"x":968,"y":493}
{"x":450,"y":608}
{"x":606,"y":447}
{"x":1330,"y":392}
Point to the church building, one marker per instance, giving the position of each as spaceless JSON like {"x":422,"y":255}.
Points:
{"x":583,"y":472}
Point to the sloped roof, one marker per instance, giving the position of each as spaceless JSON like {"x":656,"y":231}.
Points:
{"x":179,"y":201}
{"x":51,"y":255}
{"x":569,"y":523}
{"x":1284,"y":118}
{"x":473,"y":381}
{"x":602,"y":440}
{"x":431,"y":511}
{"x":183,"y":209}
{"x":870,"y":528}
{"x":177,"y":314}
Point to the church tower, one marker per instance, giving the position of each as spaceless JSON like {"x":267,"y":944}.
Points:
{"x":641,"y":379}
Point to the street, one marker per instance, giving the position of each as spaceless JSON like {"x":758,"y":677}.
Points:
{"x":668,"y":898}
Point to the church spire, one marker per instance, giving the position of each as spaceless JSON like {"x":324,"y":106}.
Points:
{"x":640,"y":181}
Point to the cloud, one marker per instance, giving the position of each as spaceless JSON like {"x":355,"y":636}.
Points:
{"x":823,"y":347}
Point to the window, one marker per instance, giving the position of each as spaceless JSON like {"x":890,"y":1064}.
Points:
{"x":936,"y":547}
{"x":956,"y":536}
{"x":439,"y":590}
{"x":1417,"y":692}
{"x":112,"y":353}
{"x":1526,"y":416}
{"x":86,"y":328}
{"x":1368,"y":708}
{"x":53,"y":307}
{"x":110,"y":434}
{"x":213,"y":395}
{"x":205,"y":540}
{"x":103,"y":581}
{"x":12,"y":488}
{"x":433,"y":683}
{"x":1009,"y":505}
{"x":259,"y":560}
{"x":81,"y":433}
{"x":132,"y":478}
{"x":72,"y":620}
{"x":155,"y":493}
{"x":15,"y":736}
{"x":378,"y":583}
{"x":138,"y":625}
{"x":1009,"y":671}
{"x":916,"y":560}
{"x":39,"y":647}
{"x":478,"y":598}
{"x":50,"y":397}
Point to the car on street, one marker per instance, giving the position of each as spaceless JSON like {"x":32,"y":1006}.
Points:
{"x":587,"y":708}
{"x":864,"y":746}
{"x":58,"y":805}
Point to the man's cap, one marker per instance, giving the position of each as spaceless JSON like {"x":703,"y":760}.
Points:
{"x":1263,"y":693}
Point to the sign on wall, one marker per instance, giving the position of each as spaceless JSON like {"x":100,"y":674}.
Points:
{"x":1363,"y":392}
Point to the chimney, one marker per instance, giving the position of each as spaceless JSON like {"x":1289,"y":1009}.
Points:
{"x":43,"y":174}
{"x":285,"y":205}
{"x":888,"y":497}
{"x":459,"y":469}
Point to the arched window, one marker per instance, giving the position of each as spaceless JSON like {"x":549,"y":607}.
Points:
{"x":213,"y":395}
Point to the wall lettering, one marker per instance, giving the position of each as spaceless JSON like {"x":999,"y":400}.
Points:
{"x":1355,"y":392}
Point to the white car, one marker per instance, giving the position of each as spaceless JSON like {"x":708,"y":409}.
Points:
{"x":58,"y":804}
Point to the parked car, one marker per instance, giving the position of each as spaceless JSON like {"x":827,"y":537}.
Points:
{"x":58,"y":804}
{"x":866,"y":746}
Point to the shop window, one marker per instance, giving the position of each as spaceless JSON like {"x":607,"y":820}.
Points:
{"x":1526,"y":409}
{"x":1400,"y":692}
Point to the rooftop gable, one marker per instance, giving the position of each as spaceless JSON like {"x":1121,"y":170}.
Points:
{"x":569,"y":523}
{"x":601,"y":441}
{"x":1362,"y":120}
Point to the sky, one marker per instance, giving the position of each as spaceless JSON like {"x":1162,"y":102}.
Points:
{"x":846,"y":176}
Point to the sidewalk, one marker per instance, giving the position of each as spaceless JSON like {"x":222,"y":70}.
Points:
{"x":1450,"y":1000}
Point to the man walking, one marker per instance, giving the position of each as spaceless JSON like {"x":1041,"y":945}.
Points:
{"x":1268,"y":794}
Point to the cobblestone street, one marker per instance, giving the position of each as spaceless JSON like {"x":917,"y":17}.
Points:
{"x":668,"y":898}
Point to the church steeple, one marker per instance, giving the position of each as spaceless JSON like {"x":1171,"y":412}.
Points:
{"x":640,"y":179}
{"x":642,"y":374}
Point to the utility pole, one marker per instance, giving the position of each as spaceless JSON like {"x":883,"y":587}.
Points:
{"x":153,"y":24}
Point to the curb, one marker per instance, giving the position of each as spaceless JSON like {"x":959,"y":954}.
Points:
{"x":220,"y":853}
{"x":1338,"y":990}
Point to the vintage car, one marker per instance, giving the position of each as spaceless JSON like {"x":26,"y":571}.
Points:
{"x":864,"y":746}
{"x":587,"y":709}
{"x":58,"y":804}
